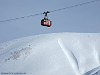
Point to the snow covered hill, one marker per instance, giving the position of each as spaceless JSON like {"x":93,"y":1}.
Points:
{"x":52,"y":54}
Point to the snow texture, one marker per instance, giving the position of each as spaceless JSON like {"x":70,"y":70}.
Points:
{"x":52,"y":54}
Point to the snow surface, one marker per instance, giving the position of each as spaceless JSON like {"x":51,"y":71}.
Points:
{"x":52,"y":54}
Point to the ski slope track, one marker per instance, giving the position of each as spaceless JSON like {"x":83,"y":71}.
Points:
{"x":52,"y":54}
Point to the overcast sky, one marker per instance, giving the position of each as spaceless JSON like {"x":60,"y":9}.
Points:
{"x":81,"y":19}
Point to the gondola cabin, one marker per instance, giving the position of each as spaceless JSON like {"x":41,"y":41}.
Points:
{"x":46,"y":22}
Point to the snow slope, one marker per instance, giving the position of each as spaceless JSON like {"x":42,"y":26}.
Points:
{"x":52,"y":54}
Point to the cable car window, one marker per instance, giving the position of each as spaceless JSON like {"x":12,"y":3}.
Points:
{"x":44,"y":20}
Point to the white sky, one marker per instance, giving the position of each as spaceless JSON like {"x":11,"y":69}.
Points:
{"x":82,"y":19}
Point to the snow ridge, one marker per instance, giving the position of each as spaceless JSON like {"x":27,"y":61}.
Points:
{"x":70,"y":56}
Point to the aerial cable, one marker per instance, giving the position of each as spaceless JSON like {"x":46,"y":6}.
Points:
{"x":75,"y":5}
{"x":49,"y":11}
{"x":19,"y":18}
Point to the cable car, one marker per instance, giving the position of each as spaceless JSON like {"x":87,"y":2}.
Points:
{"x":46,"y":21}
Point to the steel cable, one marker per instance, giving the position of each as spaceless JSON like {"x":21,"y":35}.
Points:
{"x":49,"y":11}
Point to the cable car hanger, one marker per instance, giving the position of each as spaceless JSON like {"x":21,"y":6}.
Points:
{"x":46,"y":17}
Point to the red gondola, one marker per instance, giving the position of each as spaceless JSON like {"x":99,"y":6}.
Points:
{"x":46,"y":21}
